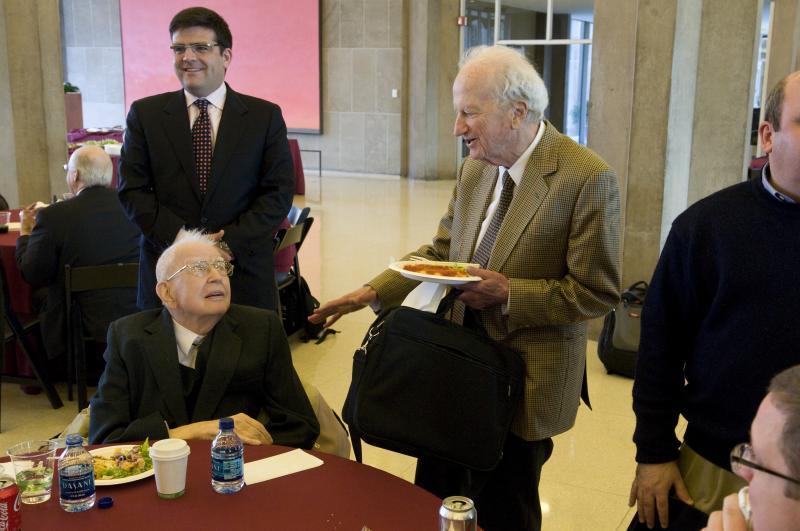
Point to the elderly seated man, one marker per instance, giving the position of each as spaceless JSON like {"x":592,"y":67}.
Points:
{"x":173,"y":372}
{"x":89,"y":229}
{"x":770,"y":464}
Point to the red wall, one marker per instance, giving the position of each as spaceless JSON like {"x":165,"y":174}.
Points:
{"x":275,"y":51}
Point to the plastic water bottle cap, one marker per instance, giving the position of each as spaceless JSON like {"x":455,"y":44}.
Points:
{"x":74,"y":439}
{"x":226,"y":423}
{"x":106,"y":502}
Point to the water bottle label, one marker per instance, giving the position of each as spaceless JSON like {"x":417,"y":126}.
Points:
{"x":76,"y":487}
{"x":226,"y":469}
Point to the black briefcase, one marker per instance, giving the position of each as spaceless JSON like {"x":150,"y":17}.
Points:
{"x":426,"y":387}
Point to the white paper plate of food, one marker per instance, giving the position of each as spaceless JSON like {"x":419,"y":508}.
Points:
{"x":121,"y":463}
{"x":453,"y":273}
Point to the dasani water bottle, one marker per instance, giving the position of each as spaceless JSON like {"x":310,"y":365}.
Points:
{"x":227,"y":459}
{"x":76,"y":476}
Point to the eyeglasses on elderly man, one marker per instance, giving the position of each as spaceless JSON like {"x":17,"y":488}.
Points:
{"x":200,"y":268}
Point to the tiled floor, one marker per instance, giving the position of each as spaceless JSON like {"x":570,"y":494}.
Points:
{"x":361,"y":224}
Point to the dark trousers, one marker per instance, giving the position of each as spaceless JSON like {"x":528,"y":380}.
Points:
{"x":507,"y":498}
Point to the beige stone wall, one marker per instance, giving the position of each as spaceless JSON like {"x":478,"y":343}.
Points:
{"x":362,"y":62}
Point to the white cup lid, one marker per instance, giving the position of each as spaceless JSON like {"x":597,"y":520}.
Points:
{"x":169,"y":449}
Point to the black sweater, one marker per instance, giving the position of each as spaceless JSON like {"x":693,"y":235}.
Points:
{"x":722,"y":312}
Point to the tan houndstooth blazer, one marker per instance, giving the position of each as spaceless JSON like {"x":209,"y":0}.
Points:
{"x":559,"y":248}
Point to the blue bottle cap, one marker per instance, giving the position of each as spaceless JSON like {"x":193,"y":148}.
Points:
{"x":74,"y":439}
{"x":226,"y":423}
{"x":105,"y":502}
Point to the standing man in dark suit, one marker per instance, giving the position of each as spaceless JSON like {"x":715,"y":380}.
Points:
{"x":173,"y":372}
{"x":210,"y":158}
{"x":540,"y":214}
{"x":87,"y":230}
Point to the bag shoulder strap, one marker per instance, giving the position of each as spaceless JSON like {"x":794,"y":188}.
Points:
{"x":355,"y":440}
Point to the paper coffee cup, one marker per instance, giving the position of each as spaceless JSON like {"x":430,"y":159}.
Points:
{"x":170,"y":457}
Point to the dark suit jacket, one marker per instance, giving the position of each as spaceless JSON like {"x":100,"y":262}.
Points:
{"x":249,"y":370}
{"x":249,"y":192}
{"x":89,"y":229}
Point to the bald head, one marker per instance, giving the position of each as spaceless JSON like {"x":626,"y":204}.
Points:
{"x":89,"y":166}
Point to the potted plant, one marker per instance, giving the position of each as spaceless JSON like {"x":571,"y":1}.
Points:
{"x":73,"y":106}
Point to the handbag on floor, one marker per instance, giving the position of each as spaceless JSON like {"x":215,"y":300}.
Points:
{"x":618,"y":346}
{"x":426,"y":387}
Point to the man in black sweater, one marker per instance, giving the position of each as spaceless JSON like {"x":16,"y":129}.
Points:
{"x":718,"y":323}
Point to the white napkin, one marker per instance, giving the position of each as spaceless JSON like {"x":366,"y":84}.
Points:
{"x":13,"y":225}
{"x":279,"y":465}
{"x":426,"y":296}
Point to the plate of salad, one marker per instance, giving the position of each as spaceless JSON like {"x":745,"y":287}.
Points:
{"x":122,"y":463}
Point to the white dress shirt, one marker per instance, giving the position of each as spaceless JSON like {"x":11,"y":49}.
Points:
{"x":515,"y":171}
{"x":185,"y":338}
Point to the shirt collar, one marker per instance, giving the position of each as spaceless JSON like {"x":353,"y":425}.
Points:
{"x":765,"y":176}
{"x":184,"y":338}
{"x":518,"y":168}
{"x":216,"y":98}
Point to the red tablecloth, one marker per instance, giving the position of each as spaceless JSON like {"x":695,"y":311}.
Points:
{"x":299,"y":176}
{"x":20,"y":291}
{"x":338,"y":495}
{"x":82,"y":135}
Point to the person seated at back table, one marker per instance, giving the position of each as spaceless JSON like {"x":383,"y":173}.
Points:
{"x":90,"y":229}
{"x":158,"y":383}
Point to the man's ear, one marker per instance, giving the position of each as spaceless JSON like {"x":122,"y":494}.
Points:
{"x":163,"y":292}
{"x":519,"y":111}
{"x":765,"y":132}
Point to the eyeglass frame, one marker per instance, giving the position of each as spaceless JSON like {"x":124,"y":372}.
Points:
{"x":176,"y":47}
{"x":736,"y":458}
{"x":210,"y":264}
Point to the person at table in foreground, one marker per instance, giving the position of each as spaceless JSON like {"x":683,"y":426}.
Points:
{"x":89,"y":229}
{"x":540,"y":213}
{"x":770,"y":464}
{"x":158,"y":383}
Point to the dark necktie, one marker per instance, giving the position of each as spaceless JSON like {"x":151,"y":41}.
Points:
{"x":484,"y":250}
{"x":201,"y":145}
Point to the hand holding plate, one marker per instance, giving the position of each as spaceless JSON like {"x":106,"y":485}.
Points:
{"x":490,"y":291}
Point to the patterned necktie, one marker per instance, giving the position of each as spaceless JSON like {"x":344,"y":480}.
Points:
{"x":201,"y":145}
{"x":484,"y":249}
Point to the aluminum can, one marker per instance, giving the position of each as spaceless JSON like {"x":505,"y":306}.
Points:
{"x":10,"y":517}
{"x":458,"y":513}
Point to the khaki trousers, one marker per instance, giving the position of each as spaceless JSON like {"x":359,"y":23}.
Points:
{"x":708,"y":484}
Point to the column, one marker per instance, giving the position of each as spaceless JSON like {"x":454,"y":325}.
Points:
{"x":784,"y":45}
{"x":430,"y":150}
{"x":32,"y":98}
{"x":672,"y":88}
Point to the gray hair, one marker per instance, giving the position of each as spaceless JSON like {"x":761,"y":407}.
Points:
{"x":93,"y":165}
{"x":515,"y":77}
{"x":165,"y":261}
